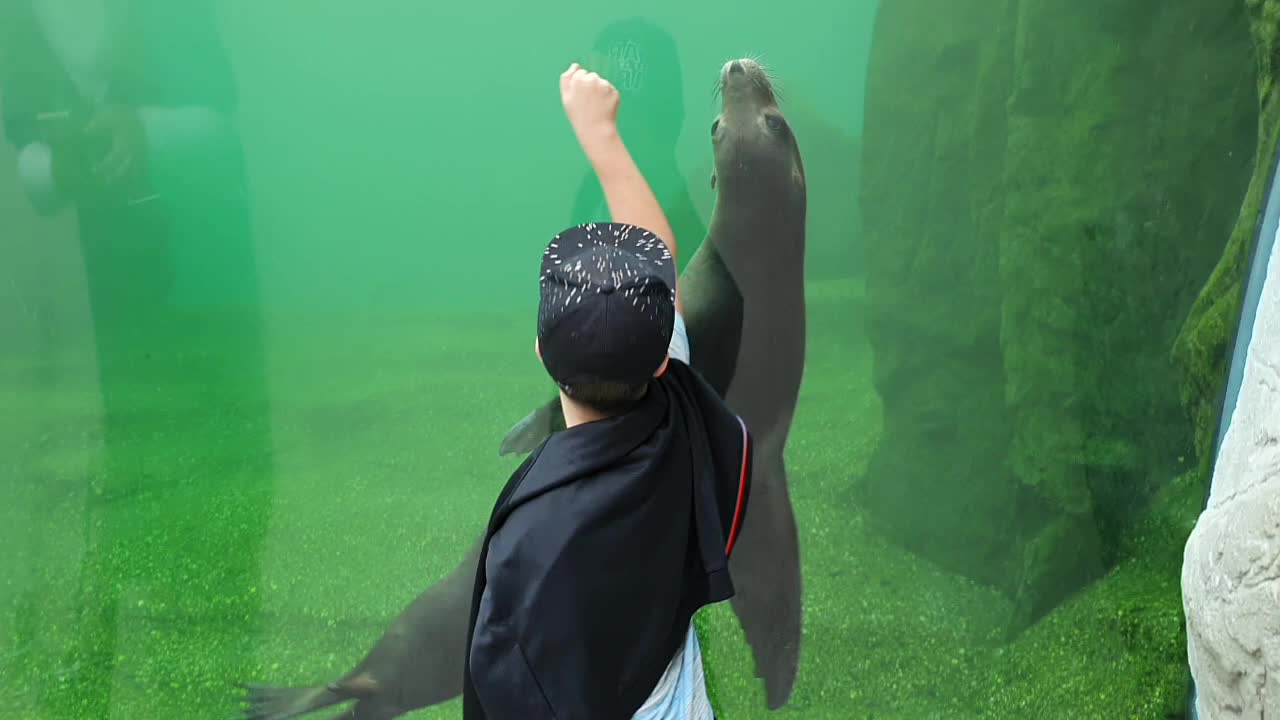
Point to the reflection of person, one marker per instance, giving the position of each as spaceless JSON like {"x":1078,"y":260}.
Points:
{"x":614,"y":532}
{"x":119,"y":110}
{"x":642,"y":61}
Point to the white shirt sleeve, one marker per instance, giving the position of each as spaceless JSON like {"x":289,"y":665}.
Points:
{"x":35,"y":174}
{"x":679,"y":348}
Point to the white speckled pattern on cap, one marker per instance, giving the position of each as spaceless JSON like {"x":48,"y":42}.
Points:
{"x":582,"y":268}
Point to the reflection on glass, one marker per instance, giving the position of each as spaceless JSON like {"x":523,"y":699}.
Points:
{"x":121,"y":115}
{"x":642,"y":61}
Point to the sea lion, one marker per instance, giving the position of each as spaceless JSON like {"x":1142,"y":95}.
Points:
{"x":744,"y":307}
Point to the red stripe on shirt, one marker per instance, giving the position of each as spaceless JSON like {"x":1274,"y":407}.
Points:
{"x":742,"y":490}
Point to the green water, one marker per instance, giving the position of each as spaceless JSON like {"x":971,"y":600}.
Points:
{"x":243,"y":423}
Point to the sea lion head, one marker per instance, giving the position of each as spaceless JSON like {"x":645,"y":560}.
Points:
{"x":755,"y":149}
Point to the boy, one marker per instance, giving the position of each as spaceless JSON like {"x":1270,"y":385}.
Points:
{"x":614,"y":532}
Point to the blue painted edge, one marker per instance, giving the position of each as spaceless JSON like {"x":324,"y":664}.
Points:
{"x":1264,"y":241}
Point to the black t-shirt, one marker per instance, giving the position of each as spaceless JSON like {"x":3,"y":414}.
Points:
{"x":600,"y":548}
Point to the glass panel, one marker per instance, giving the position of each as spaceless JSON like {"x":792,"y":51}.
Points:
{"x":267,"y":289}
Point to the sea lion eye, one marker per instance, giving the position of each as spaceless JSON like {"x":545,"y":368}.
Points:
{"x":775,"y":123}
{"x":715,"y":125}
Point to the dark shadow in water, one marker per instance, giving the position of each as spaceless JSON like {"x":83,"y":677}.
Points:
{"x":642,"y":61}
{"x":124,"y":118}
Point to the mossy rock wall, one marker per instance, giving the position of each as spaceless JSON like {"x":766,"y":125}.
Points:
{"x":931,"y":206}
{"x":1202,"y":348}
{"x":1046,"y":188}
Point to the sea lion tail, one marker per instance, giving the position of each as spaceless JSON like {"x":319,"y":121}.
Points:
{"x":537,"y":426}
{"x":272,"y":703}
{"x":766,"y":569}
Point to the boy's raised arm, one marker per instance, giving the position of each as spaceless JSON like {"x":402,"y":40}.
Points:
{"x":591,"y":103}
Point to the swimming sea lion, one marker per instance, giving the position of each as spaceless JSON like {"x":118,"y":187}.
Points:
{"x":744,"y":307}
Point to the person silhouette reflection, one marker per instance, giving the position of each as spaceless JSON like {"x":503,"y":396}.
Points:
{"x":642,"y":61}
{"x":120,"y":111}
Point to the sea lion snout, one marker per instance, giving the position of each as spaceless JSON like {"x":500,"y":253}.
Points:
{"x":745,"y":82}
{"x":741,"y":66}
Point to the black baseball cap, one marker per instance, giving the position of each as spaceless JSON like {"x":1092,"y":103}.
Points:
{"x":607,"y":305}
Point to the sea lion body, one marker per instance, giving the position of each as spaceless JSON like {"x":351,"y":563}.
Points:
{"x":758,"y":233}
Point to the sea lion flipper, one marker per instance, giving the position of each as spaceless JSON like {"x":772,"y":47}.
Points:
{"x":281,"y":703}
{"x":537,"y":426}
{"x":766,"y":574}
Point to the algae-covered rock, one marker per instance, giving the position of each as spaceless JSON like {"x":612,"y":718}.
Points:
{"x":1046,"y":187}
{"x":932,"y":158}
{"x":1130,"y":129}
{"x":1200,"y":350}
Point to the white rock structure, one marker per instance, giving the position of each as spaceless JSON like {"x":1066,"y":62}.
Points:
{"x":1231,"y":570}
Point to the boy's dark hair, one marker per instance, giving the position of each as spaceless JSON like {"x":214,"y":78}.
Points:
{"x":605,"y":397}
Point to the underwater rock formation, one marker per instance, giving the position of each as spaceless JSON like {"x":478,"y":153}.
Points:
{"x":1046,"y":188}
{"x":931,"y":204}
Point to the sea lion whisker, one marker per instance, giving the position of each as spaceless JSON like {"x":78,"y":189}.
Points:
{"x":764,"y":86}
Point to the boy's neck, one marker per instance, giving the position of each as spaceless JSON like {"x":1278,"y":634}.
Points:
{"x":578,"y":414}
